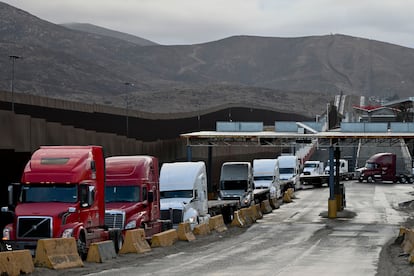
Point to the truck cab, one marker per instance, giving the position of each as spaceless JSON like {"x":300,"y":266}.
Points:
{"x":62,"y":195}
{"x":266,"y":176}
{"x":381,"y":167}
{"x":289,"y":167}
{"x":183,"y":192}
{"x":236,"y":182}
{"x":132,"y":193}
{"x":313,"y":167}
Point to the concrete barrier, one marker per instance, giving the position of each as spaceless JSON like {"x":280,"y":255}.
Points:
{"x":217,"y":223}
{"x":238,"y":220}
{"x":265,"y":207}
{"x":166,"y":238}
{"x":14,"y":263}
{"x":201,"y":229}
{"x":291,"y":192}
{"x":100,"y":252}
{"x":407,"y":245}
{"x":57,"y":253}
{"x":247,"y":215}
{"x":274,"y":203}
{"x":257,"y":212}
{"x":135,"y":242}
{"x":184,"y":232}
{"x":286,"y":197}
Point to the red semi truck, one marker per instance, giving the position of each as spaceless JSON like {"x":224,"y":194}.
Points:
{"x":62,"y":195}
{"x":132,"y":194}
{"x":383,"y":167}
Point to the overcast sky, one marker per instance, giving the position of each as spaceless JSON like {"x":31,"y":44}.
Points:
{"x":196,"y":21}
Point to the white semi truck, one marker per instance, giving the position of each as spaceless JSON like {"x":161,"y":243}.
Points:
{"x":184,"y":198}
{"x":313,"y":173}
{"x":266,"y":177}
{"x":236,"y":182}
{"x":344,"y":170}
{"x":289,"y":167}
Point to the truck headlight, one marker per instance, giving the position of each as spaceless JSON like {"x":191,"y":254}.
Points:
{"x":131,"y":225}
{"x":67,"y":233}
{"x":192,"y":219}
{"x":246,"y":200}
{"x":6,"y":234}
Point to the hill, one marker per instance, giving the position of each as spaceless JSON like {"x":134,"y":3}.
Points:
{"x":283,"y":74}
{"x":93,"y":29}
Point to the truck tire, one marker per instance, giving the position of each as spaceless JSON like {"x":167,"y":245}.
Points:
{"x":117,"y":239}
{"x":228,"y":214}
{"x":403,"y":179}
{"x":81,"y":245}
{"x":370,"y":179}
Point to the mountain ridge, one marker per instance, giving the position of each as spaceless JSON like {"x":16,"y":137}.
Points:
{"x":280,"y":73}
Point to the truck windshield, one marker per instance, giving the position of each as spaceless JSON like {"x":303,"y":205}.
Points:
{"x":233,"y":185}
{"x":122,"y":194}
{"x":50,"y":193}
{"x":312,"y":165}
{"x":177,"y":194}
{"x":371,"y":165}
{"x":286,"y":170}
{"x":264,"y":177}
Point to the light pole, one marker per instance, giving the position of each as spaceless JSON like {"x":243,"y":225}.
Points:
{"x":127,"y":105}
{"x":13,"y":58}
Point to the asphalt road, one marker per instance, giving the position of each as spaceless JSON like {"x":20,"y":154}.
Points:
{"x":296,"y":239}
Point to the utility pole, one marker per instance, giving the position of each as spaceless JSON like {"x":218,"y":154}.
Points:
{"x":13,"y":58}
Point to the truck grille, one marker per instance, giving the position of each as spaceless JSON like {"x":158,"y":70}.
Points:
{"x":115,"y":219}
{"x":34,"y":227}
{"x":177,"y":215}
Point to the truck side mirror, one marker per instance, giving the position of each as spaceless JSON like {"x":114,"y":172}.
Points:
{"x":87,"y":195}
{"x":83,"y":191}
{"x":10,"y":194}
{"x":151,"y":196}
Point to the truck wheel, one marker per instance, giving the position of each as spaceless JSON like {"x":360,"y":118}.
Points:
{"x":228,"y":214}
{"x":81,"y":245}
{"x":403,"y":179}
{"x":117,"y":239}
{"x":370,"y":179}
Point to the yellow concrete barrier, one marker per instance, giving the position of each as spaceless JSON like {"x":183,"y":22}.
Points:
{"x":247,"y":215}
{"x":135,"y":242}
{"x":238,"y":220}
{"x":257,"y":212}
{"x":217,"y":223}
{"x":14,"y":263}
{"x":184,"y":232}
{"x":57,"y":253}
{"x":286,"y":197}
{"x":291,"y":192}
{"x":100,"y":252}
{"x":407,"y":245}
{"x":274,"y":203}
{"x":201,"y":229}
{"x":265,"y":207}
{"x":166,"y":238}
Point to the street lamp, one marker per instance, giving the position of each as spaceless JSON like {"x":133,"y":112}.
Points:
{"x":127,"y":105}
{"x":13,"y":58}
